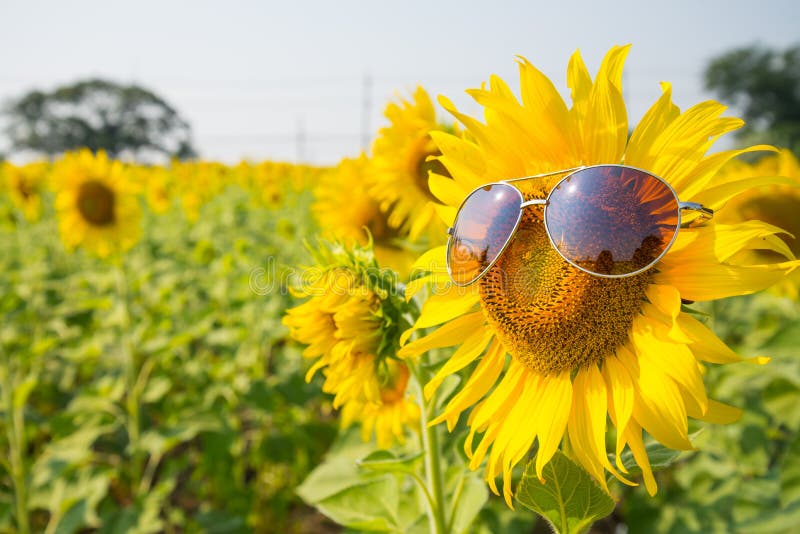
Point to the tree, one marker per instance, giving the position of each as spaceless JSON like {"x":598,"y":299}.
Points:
{"x":99,"y":115}
{"x":765,"y":85}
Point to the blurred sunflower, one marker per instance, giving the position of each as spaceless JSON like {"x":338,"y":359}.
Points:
{"x":97,"y":204}
{"x":25,"y":185}
{"x":777,"y":204}
{"x":346,"y":211}
{"x":196,"y":183}
{"x":351,"y":324}
{"x":403,"y":154}
{"x":583,"y":348}
{"x":157,"y":184}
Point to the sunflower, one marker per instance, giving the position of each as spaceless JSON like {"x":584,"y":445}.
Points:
{"x":97,"y":204}
{"x":196,"y":183}
{"x":25,"y":185}
{"x":776,"y":204}
{"x":351,"y":324}
{"x":403,"y":155}
{"x":346,"y":211}
{"x":560,"y":352}
{"x":388,"y":418}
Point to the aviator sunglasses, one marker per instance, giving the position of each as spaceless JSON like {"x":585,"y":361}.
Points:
{"x":607,"y":220}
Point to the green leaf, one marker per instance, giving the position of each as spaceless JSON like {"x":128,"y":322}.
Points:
{"x":570,"y":500}
{"x":790,"y":474}
{"x":23,"y":390}
{"x":472,"y":494}
{"x":383,"y":461}
{"x":371,"y":506}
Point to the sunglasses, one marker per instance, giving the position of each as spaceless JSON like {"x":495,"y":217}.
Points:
{"x":607,"y":220}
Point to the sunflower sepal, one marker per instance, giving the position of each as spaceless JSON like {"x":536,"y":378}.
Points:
{"x":570,"y":500}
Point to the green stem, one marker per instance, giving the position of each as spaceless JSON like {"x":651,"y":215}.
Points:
{"x":433,"y":464}
{"x":17,"y":443}
{"x":132,"y":387}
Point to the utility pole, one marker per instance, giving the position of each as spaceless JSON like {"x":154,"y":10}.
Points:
{"x":366,"y":112}
{"x":300,"y":141}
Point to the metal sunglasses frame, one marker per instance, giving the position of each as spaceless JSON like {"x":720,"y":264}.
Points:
{"x":704,"y":214}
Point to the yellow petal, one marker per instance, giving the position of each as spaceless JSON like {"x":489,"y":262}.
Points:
{"x":620,"y":396}
{"x":673,"y":360}
{"x":633,"y":436}
{"x":481,"y":381}
{"x":707,"y":347}
{"x":552,"y":414}
{"x":605,"y":128}
{"x":447,"y":335}
{"x":471,"y":348}
{"x":699,"y":280}
{"x":445,"y":306}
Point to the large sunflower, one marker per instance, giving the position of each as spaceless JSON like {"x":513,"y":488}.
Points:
{"x":346,"y":211}
{"x":777,"y":204}
{"x":584,"y":349}
{"x":403,"y":154}
{"x":97,"y":204}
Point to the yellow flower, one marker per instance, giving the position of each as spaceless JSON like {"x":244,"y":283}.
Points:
{"x":584,"y":349}
{"x":25,"y":185}
{"x":352,"y":324}
{"x":196,"y":183}
{"x":157,"y":185}
{"x":341,"y":325}
{"x":346,"y":211}
{"x":96,"y":203}
{"x":777,"y":204}
{"x":402,"y":157}
{"x":388,"y":418}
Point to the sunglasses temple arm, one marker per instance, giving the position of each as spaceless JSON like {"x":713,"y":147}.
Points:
{"x":544,"y":175}
{"x":703,"y":212}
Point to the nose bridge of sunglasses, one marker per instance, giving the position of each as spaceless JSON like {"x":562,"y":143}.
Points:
{"x":534,"y":202}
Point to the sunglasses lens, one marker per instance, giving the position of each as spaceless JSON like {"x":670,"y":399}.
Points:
{"x":483,"y":225}
{"x":612,"y":220}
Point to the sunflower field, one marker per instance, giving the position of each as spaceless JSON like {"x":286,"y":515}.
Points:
{"x":275,"y":347}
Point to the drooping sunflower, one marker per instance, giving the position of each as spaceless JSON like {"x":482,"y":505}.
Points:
{"x":345,"y":210}
{"x":394,"y":413}
{"x":403,"y":155}
{"x":351,"y":324}
{"x":561,"y":352}
{"x":777,"y":204}
{"x":97,"y":204}
{"x":25,"y":185}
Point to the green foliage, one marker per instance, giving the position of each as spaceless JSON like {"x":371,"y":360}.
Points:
{"x":205,"y":424}
{"x":743,"y":478}
{"x":569,"y":499}
{"x":765,"y":85}
{"x":99,"y":115}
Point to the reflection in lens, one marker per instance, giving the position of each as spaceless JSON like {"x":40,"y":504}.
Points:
{"x":612,"y":220}
{"x":484,"y":223}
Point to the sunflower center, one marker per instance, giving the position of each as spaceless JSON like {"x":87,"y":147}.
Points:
{"x":25,"y":189}
{"x":96,"y":203}
{"x":551,"y":316}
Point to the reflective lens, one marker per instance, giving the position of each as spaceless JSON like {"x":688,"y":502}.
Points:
{"x":612,"y":220}
{"x":483,"y":226}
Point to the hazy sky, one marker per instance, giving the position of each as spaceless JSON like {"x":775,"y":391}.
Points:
{"x":309,"y":80}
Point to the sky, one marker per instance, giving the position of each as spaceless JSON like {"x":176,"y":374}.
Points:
{"x":303,"y":81}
